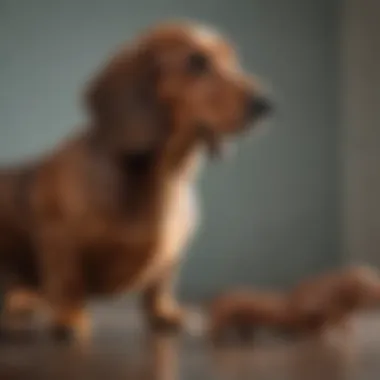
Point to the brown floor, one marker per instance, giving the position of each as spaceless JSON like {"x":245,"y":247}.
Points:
{"x":121,"y":350}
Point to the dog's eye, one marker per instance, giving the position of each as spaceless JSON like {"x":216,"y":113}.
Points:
{"x":198,"y":64}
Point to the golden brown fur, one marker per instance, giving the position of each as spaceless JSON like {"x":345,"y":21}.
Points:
{"x":94,"y":216}
{"x":330,"y":299}
{"x":313,"y":306}
{"x":244,"y":311}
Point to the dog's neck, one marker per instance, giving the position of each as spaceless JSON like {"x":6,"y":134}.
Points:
{"x":191,"y":166}
{"x":138,"y":182}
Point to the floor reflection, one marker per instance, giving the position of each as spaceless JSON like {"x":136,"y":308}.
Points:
{"x":130,"y":354}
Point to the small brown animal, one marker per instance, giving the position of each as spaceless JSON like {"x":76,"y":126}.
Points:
{"x":312,"y":306}
{"x":242,"y":312}
{"x":329,"y":300}
{"x":111,"y":209}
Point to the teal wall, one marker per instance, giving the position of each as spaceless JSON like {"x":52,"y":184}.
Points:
{"x":270,"y":212}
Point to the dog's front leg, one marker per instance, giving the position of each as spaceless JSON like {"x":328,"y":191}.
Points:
{"x":62,"y":284}
{"x":159,"y":303}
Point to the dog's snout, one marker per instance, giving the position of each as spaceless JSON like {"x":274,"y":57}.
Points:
{"x":258,"y":106}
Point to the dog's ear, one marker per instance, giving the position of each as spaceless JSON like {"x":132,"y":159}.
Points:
{"x":123,"y":102}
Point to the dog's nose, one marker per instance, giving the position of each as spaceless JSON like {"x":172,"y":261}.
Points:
{"x":258,"y":106}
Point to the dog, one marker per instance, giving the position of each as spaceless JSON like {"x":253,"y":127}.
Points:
{"x":241,"y":312}
{"x":329,"y":300}
{"x":112,"y":208}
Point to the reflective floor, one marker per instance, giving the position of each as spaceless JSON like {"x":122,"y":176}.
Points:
{"x":121,"y":350}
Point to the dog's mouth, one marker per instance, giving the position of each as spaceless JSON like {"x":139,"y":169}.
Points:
{"x":216,"y":142}
{"x":257,"y":109}
{"x":211,"y":139}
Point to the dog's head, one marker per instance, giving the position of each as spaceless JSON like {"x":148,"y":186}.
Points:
{"x":177,"y":84}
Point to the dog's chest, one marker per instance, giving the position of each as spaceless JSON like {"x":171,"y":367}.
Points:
{"x":178,"y":224}
{"x":129,"y":257}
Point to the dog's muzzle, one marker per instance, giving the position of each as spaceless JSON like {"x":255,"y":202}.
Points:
{"x":257,"y":107}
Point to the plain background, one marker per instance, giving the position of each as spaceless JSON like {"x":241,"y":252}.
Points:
{"x":270,"y":214}
{"x":360,"y":137}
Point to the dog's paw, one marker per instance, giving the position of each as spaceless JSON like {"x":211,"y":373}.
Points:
{"x":70,"y":327}
{"x":169,"y":320}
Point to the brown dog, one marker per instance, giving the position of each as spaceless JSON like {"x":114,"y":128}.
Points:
{"x":111,"y":209}
{"x":329,"y":300}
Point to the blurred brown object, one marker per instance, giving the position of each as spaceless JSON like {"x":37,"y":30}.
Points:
{"x":241,"y":312}
{"x":329,"y":300}
{"x":314,"y":305}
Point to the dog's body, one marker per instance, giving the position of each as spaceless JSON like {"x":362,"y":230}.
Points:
{"x":113,"y":208}
{"x":114,"y":253}
{"x":62,"y":187}
{"x":15,"y":223}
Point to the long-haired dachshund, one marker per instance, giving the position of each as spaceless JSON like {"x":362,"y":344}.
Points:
{"x":112,"y":207}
